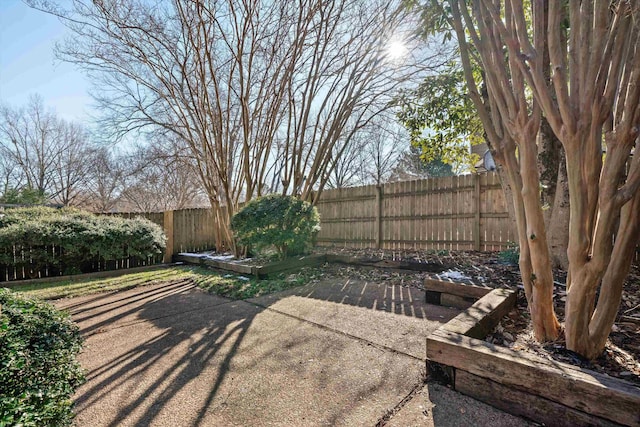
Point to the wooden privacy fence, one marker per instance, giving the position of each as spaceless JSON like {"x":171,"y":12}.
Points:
{"x":455,"y":213}
{"x":466,"y":212}
{"x":186,"y":230}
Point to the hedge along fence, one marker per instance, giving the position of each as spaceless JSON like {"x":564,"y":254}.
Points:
{"x":41,"y":242}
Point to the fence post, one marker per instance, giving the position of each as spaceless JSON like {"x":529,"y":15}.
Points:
{"x":477,"y":204}
{"x":378,"y":216}
{"x":168,"y":231}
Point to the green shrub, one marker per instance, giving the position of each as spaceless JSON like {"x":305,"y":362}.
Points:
{"x":69,"y":240}
{"x":24,"y":196}
{"x":38,"y":368}
{"x":511,"y":255}
{"x":284,"y":222}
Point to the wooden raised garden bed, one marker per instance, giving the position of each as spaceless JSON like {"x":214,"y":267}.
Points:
{"x":260,"y":271}
{"x":549,"y":392}
{"x":385,"y":263}
{"x":452,"y":294}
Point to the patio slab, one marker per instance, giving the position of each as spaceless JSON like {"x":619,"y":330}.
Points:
{"x":168,"y":355}
{"x":392,"y":316}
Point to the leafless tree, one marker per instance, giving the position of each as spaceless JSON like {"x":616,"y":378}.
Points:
{"x":162,"y":177}
{"x":43,"y":152}
{"x":371,"y":155}
{"x":346,"y":81}
{"x":31,"y":138}
{"x":347,"y":169}
{"x":238,"y":80}
{"x":11,"y":178}
{"x":382,"y":153}
{"x":72,"y":165}
{"x":106,"y":181}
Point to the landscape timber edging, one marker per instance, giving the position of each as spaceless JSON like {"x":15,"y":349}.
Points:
{"x":385,"y":263}
{"x":304,"y":261}
{"x":223,"y":265}
{"x":259,"y":271}
{"x":452,"y":294}
{"x":550,"y":392}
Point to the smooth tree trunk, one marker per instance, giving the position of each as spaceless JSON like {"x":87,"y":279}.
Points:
{"x":608,"y":227}
{"x":511,"y":125}
{"x":535,"y":258}
{"x":554,"y":191}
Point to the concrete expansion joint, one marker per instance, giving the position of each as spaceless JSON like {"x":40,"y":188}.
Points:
{"x":408,"y":398}
{"x":336,"y":331}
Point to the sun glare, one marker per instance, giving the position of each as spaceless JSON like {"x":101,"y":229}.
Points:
{"x":396,"y":49}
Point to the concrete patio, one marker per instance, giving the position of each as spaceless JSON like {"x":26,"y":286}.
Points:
{"x":332,"y":353}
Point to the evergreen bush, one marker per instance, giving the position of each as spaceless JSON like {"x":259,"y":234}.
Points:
{"x":38,"y":368}
{"x":69,"y":240}
{"x":284,"y":222}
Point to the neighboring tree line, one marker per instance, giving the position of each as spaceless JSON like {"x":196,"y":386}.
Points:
{"x":46,"y":159}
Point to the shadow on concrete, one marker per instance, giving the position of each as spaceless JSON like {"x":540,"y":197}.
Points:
{"x":180,"y":356}
{"x":96,"y":316}
{"x":176,"y":324}
{"x":390,"y":298}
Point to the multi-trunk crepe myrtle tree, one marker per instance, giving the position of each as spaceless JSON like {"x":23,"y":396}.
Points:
{"x":577,"y":64}
{"x":260,"y":91}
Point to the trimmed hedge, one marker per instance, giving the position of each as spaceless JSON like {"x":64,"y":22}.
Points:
{"x":38,"y":367}
{"x":285,"y":222}
{"x":70,"y":241}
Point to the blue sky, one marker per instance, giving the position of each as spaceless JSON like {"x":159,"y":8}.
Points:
{"x":28,"y":65}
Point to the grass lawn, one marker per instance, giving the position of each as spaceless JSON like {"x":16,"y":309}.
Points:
{"x":216,"y":282}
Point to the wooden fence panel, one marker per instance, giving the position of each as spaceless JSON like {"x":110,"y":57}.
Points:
{"x":450,"y":213}
{"x":193,"y":230}
{"x":454,"y":213}
{"x":348,"y":217}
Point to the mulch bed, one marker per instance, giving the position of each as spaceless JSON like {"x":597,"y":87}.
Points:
{"x":621,"y":357}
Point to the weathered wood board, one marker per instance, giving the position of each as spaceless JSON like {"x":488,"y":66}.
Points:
{"x":479,"y":319}
{"x":455,"y":288}
{"x":223,"y":265}
{"x":583,"y":390}
{"x":552,"y":414}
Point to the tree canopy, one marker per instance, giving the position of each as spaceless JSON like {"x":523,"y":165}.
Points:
{"x":262,"y":92}
{"x":441,"y":118}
